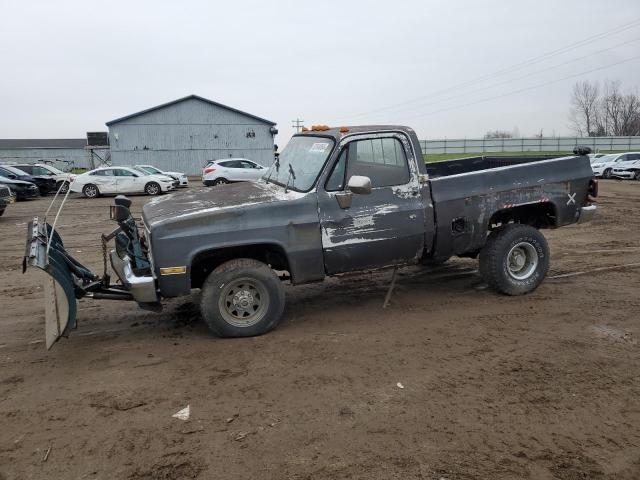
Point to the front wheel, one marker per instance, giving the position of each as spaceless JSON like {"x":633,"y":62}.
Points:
{"x":607,"y":173}
{"x":515,"y":259}
{"x":637,"y":175}
{"x":242,"y":298}
{"x":152,"y":188}
{"x":62,"y":187}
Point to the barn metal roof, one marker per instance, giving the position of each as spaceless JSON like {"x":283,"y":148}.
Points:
{"x":11,"y":143}
{"x":189,"y":97}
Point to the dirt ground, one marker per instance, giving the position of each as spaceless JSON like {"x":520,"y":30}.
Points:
{"x":452,"y":381}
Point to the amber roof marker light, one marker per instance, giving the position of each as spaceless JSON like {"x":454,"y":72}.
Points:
{"x":344,"y":129}
{"x":319,"y":128}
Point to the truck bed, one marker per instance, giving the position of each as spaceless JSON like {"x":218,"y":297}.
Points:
{"x":473,"y":164}
{"x":469,"y":195}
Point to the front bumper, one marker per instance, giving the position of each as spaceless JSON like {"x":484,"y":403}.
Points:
{"x":29,"y":192}
{"x":587,"y":213}
{"x":142,"y":288}
{"x":622,"y":174}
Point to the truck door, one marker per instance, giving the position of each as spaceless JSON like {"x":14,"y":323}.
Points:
{"x":385,"y":227}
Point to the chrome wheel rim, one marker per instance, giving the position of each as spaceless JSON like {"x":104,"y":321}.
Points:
{"x":220,"y":181}
{"x":152,"y":189}
{"x":243,"y":302}
{"x":64,"y":187}
{"x":90,"y":191}
{"x":522,"y":261}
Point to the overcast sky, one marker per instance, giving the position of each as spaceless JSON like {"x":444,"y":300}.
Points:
{"x":68,"y":67}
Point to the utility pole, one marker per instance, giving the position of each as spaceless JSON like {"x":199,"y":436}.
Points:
{"x":297,"y":124}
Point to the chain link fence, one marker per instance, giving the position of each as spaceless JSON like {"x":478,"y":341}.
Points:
{"x":550,"y":144}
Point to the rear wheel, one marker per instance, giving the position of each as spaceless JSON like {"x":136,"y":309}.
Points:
{"x":90,"y":191}
{"x":152,"y":188}
{"x":242,"y":298}
{"x":515,"y":259}
{"x":220,"y":181}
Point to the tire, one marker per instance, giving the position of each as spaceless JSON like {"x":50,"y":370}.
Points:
{"x":637,"y":176}
{"x":515,"y":259}
{"x":152,"y":188}
{"x":2,"y":210}
{"x":607,"y":173}
{"x":236,"y":284}
{"x":90,"y":191}
{"x":64,"y":185}
{"x":220,"y":181}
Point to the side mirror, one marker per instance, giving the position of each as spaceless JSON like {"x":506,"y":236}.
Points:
{"x":359,"y":185}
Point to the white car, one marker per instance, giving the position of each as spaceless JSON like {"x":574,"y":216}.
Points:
{"x":63,"y":179}
{"x":180,"y":177}
{"x":630,"y":170}
{"x":604,"y":166}
{"x":114,"y":180}
{"x":594,"y":157}
{"x":229,"y":170}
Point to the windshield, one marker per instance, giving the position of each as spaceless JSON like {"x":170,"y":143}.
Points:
{"x":605,"y":159}
{"x":13,"y":170}
{"x":302,"y":158}
{"x":150,"y":169}
{"x":53,"y":169}
{"x":140,"y":170}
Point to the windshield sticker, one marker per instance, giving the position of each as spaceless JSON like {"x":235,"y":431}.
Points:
{"x":318,"y":147}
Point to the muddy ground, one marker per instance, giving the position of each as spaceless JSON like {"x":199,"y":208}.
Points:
{"x":542,"y":386}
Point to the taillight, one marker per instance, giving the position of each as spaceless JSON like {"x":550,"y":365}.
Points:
{"x":209,"y":170}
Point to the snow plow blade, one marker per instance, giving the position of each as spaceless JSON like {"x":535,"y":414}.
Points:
{"x":45,"y":250}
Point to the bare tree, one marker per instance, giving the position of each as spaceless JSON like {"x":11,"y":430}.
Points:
{"x":584,"y":107}
{"x":498,"y":134}
{"x":618,"y":112}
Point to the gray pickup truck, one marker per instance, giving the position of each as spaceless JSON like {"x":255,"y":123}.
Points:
{"x":336,"y":200}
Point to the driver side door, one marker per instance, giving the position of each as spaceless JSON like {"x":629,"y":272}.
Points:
{"x":385,"y":227}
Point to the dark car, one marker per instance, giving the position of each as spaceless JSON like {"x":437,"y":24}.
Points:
{"x":20,"y":189}
{"x":44,"y":184}
{"x":5,"y":198}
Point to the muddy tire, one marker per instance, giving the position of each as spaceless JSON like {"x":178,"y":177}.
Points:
{"x":515,"y":259}
{"x":62,"y":186}
{"x":242,"y":298}
{"x":220,"y":181}
{"x":90,"y":191}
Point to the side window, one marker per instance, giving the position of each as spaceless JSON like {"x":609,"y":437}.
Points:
{"x":248,"y":165}
{"x":634,"y":156}
{"x":383,"y":160}
{"x":101,"y":173}
{"x":29,"y":169}
{"x":120,"y":172}
{"x":336,"y":181}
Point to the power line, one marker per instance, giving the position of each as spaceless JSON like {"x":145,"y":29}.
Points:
{"x":513,"y":92}
{"x":455,"y":97}
{"x":512,"y":68}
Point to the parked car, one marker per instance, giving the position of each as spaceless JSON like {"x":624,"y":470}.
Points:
{"x":339,"y":200}
{"x":604,"y":166}
{"x":62,"y":179}
{"x":45,"y":184}
{"x":230,"y":170}
{"x":20,"y":189}
{"x":595,"y":156}
{"x":114,"y":180}
{"x":6,"y":198}
{"x":630,"y":170}
{"x":182,"y":179}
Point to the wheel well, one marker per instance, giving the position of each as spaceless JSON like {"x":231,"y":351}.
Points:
{"x":205,"y":262}
{"x":539,"y":215}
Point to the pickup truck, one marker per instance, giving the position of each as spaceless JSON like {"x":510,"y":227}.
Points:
{"x":336,"y":200}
